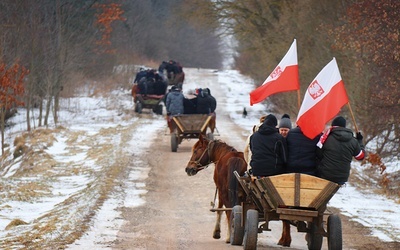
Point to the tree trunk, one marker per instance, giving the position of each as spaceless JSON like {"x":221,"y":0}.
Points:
{"x":2,"y":125}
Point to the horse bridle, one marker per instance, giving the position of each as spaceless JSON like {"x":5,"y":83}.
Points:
{"x":197,"y":162}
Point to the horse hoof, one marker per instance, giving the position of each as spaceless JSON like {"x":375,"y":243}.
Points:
{"x":217,"y":235}
{"x":227,"y":241}
{"x":284,"y":244}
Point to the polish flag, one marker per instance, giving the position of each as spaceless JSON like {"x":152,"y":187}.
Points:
{"x":285,"y":77}
{"x":324,"y":98}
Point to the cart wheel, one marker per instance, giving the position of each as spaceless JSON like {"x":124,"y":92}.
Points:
{"x":159,"y":109}
{"x":237,"y":230}
{"x":210,"y":136}
{"x":314,"y":239}
{"x":174,"y":142}
{"x":251,"y":230}
{"x":138,"y":107}
{"x":334,"y":232}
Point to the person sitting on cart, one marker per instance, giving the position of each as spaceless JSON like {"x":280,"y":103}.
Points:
{"x":212,"y":100}
{"x":336,"y":149}
{"x":269,"y":150}
{"x":204,"y":103}
{"x":190,"y":103}
{"x":174,"y":105}
{"x":172,"y":69}
{"x":160,"y":86}
{"x":247,"y":152}
{"x":302,"y":152}
{"x":285,"y":124}
{"x":142,"y":73}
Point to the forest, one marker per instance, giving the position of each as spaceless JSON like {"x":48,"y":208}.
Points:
{"x":48,"y":47}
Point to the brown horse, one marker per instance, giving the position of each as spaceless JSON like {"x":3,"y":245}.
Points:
{"x":227,"y":160}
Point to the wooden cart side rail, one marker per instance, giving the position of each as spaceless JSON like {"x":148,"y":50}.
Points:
{"x":205,"y":124}
{"x":325,"y":195}
{"x":242,"y":182}
{"x":252,"y":195}
{"x":270,"y":194}
{"x":175,"y":119}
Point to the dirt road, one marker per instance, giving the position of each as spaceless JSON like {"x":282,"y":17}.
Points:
{"x":176,"y":213}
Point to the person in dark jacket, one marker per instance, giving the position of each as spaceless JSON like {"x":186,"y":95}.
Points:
{"x":142,"y":73}
{"x":302,"y":152}
{"x":172,"y":69}
{"x":189,"y":105}
{"x":212,"y":100}
{"x":336,"y":149}
{"x":204,"y":102}
{"x":268,"y":149}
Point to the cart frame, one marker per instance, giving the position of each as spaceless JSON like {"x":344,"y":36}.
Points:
{"x":152,"y":102}
{"x":299,"y":198}
{"x":189,"y":126}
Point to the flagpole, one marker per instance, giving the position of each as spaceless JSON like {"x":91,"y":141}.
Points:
{"x":298,"y":99}
{"x":352,"y":116}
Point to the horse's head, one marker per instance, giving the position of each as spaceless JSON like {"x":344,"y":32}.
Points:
{"x":200,"y":156}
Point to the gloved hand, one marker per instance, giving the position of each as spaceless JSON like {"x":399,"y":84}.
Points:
{"x":359,"y":136}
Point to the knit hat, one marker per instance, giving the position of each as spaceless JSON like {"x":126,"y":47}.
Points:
{"x":270,"y":120}
{"x":339,"y":121}
{"x":285,"y":122}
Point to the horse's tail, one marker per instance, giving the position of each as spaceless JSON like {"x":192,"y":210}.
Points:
{"x":236,"y":192}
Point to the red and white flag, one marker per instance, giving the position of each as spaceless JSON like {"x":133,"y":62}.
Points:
{"x":324,"y":98}
{"x":285,"y":77}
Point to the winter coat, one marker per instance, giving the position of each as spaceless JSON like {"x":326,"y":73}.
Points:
{"x":336,"y":155}
{"x":204,"y":103}
{"x":189,"y":105}
{"x":139,"y":76}
{"x":302,"y":152}
{"x":174,"y":102}
{"x":269,"y":151}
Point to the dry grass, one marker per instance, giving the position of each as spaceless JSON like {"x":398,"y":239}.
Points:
{"x":15,"y":223}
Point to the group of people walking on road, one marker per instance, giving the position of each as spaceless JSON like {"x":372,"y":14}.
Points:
{"x":272,"y":151}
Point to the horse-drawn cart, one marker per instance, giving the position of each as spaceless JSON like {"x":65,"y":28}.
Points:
{"x":190,"y":126}
{"x":152,"y":102}
{"x":298,"y":198}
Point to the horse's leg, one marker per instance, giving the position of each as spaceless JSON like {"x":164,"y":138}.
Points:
{"x":134,"y":91}
{"x":217,"y":229}
{"x":286,"y":239}
{"x":211,"y":124}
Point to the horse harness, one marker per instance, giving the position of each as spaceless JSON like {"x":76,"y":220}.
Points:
{"x":197,"y":162}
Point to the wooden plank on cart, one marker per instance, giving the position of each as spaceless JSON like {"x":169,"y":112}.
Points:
{"x":192,"y":123}
{"x":296,"y":214}
{"x":297,"y":190}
